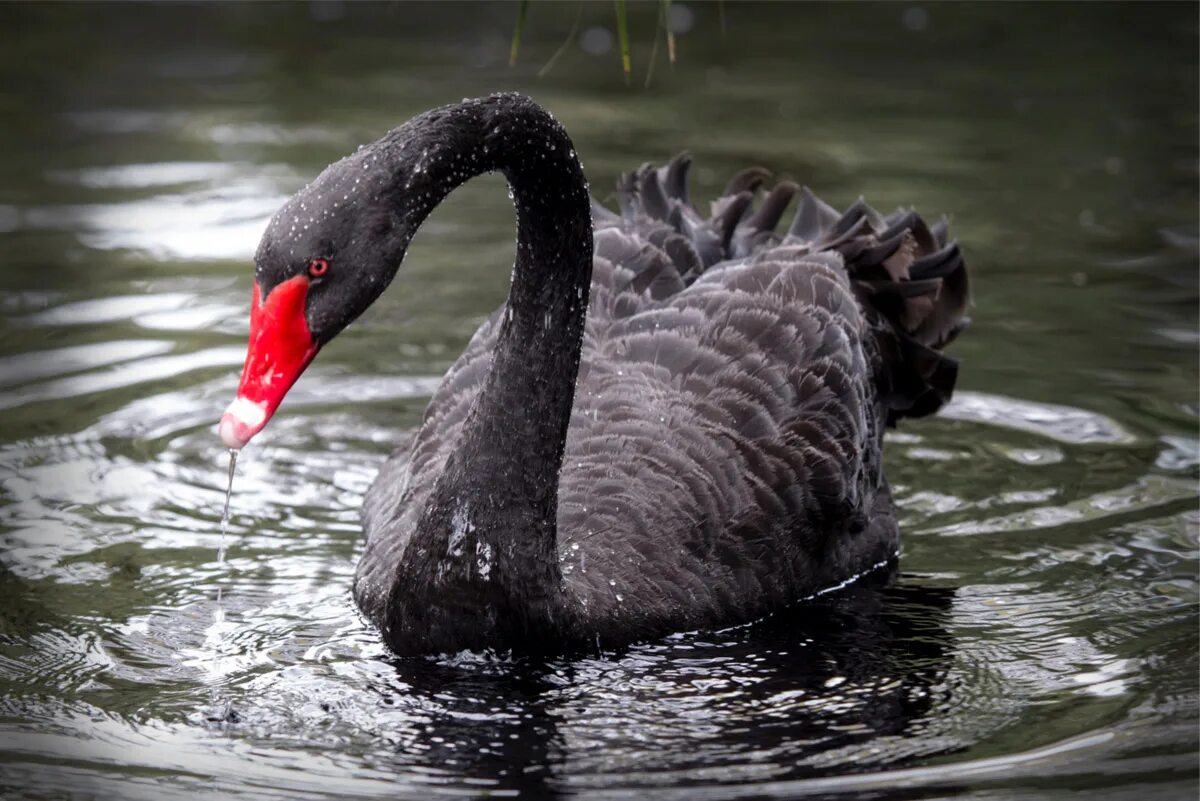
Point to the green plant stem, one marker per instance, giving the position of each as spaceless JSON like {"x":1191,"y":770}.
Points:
{"x":662,"y":23}
{"x":522,"y":10}
{"x":666,"y":12}
{"x":563,"y":47}
{"x":623,"y":39}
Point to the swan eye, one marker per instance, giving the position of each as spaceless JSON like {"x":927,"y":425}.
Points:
{"x":318,"y":267}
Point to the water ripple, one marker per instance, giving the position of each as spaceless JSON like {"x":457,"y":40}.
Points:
{"x":1061,"y":423}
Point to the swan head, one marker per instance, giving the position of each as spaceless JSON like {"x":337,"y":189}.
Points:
{"x":325,"y":256}
{"x":337,"y":243}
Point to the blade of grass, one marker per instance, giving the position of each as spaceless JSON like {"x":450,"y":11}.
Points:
{"x":566,"y":43}
{"x":522,"y":10}
{"x":666,"y":12}
{"x":623,"y":38}
{"x":658,"y":26}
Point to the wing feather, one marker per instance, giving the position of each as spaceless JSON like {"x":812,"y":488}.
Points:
{"x":724,"y":448}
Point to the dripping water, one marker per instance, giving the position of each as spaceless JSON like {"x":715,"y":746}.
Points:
{"x":233,"y":455}
{"x":221,"y":710}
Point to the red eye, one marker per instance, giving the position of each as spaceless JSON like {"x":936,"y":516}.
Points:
{"x":318,"y":267}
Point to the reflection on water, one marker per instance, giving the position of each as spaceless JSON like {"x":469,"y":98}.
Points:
{"x":1038,"y":638}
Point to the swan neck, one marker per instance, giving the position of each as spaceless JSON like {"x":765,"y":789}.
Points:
{"x":497,"y":494}
{"x":522,"y":413}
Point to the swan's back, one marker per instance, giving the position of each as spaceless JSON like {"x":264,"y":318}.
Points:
{"x":724,"y":451}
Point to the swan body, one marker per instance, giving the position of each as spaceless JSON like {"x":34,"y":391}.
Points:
{"x":675,"y":422}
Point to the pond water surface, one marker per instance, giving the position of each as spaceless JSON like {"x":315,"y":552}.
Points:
{"x":1039,"y":636}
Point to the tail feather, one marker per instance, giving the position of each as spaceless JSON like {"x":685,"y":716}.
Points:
{"x":731,"y":216}
{"x":747,"y":180}
{"x":772,"y":209}
{"x":813,"y":217}
{"x":673,"y":177}
{"x":909,"y":274}
{"x":940,"y":229}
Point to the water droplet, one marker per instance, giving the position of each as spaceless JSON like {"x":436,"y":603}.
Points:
{"x":233,"y":455}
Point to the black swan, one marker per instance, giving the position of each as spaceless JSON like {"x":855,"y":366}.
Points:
{"x":673,"y":423}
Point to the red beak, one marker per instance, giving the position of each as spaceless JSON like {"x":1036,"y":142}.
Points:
{"x":281,"y":346}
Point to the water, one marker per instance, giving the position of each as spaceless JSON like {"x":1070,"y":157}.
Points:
{"x":1039,"y":639}
{"x":215,"y":636}
{"x":233,"y":455}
